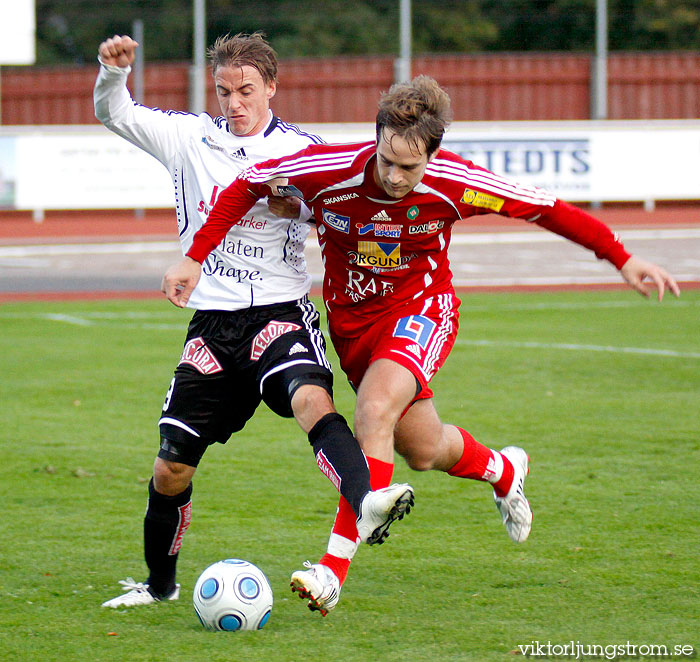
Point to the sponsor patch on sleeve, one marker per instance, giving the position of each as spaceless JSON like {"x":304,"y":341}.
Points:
{"x":481,"y":199}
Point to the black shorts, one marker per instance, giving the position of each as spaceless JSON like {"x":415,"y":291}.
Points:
{"x":232,"y":361}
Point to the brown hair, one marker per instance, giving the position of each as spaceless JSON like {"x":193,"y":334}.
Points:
{"x":245,"y":49}
{"x":418,"y":111}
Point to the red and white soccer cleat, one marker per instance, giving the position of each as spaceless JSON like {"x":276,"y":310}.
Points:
{"x":514,"y":507}
{"x":318,"y":585}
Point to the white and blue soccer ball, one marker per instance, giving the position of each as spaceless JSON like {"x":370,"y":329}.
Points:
{"x":233,"y":595}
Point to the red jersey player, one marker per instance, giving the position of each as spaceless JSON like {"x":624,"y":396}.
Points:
{"x":385,"y":212}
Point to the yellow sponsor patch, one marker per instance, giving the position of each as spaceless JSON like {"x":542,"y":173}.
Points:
{"x":479,"y":199}
{"x":378,"y":254}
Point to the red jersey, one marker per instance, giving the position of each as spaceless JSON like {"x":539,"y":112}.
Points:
{"x":382,"y":253}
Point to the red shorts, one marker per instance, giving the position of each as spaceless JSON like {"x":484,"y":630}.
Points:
{"x":419,"y":337}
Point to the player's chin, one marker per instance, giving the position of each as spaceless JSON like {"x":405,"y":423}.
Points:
{"x":238,"y":126}
{"x":395,"y":192}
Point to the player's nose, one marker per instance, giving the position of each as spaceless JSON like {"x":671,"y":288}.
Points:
{"x":395,"y":175}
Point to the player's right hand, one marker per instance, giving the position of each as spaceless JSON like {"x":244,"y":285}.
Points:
{"x":179,"y":281}
{"x":118,"y":51}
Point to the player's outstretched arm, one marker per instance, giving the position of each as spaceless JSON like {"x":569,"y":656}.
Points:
{"x":118,"y":51}
{"x":635,"y":271}
{"x":179,"y":281}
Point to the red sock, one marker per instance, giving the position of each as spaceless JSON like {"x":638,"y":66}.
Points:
{"x":501,"y":486}
{"x":339,"y":566}
{"x":380,"y":472}
{"x":345,"y":523}
{"x":478,"y":463}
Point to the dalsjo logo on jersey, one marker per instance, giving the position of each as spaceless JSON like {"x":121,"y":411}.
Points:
{"x":426,"y":228}
{"x":197,"y":354}
{"x":336,"y":221}
{"x":269,"y":334}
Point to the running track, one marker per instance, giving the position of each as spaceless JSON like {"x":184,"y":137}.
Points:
{"x":96,"y":255}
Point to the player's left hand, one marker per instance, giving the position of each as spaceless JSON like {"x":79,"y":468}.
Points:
{"x":636,"y":270}
{"x":284,"y":206}
{"x":179,"y":281}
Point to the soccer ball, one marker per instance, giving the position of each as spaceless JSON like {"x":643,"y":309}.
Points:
{"x":232,"y":595}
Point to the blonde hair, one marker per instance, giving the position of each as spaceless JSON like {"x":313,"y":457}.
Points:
{"x":245,"y":49}
{"x":418,"y":111}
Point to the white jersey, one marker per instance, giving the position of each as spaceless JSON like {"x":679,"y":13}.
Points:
{"x":261,"y":260}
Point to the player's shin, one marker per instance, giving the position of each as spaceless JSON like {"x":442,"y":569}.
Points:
{"x":166,"y":521}
{"x":342,"y":543}
{"x":344,"y":539}
{"x":340,"y":459}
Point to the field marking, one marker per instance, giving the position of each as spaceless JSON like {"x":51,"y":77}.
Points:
{"x":115,"y":320}
{"x":647,"y":351}
{"x":634,"y":302}
{"x":68,"y":319}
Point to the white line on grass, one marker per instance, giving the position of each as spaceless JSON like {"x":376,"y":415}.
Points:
{"x":634,"y":302}
{"x":647,"y":351}
{"x":112,"y":320}
{"x":68,"y":319}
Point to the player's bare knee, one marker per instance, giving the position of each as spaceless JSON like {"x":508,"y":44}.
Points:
{"x":171,"y":478}
{"x":374,"y":415}
{"x":311,"y":400}
{"x":296,"y":390}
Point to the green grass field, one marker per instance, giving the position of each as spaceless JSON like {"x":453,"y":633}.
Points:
{"x":602,"y":389}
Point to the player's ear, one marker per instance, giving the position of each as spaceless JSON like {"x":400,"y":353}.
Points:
{"x":432,"y":155}
{"x":271,"y":89}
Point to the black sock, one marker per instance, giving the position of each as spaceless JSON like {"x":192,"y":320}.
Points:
{"x":340,"y":458}
{"x":164,"y":526}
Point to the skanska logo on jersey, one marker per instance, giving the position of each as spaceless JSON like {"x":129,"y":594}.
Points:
{"x":340,"y":198}
{"x":336,"y":221}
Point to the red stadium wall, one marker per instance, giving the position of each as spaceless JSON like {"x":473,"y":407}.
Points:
{"x":498,"y":87}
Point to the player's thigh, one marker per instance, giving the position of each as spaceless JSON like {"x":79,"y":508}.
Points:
{"x":202,"y":409}
{"x":386,"y":390}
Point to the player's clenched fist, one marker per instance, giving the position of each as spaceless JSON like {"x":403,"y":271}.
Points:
{"x":118,"y":51}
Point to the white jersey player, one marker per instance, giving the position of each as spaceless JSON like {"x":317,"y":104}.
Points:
{"x":254,"y":335}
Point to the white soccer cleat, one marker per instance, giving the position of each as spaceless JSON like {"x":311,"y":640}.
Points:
{"x":318,"y":585}
{"x":380,"y":508}
{"x":137,"y":595}
{"x":514,"y":507}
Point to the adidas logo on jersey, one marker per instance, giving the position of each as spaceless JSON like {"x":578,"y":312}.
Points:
{"x":297,"y":348}
{"x":240,"y":154}
{"x":381,"y":216}
{"x":414,"y":349}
